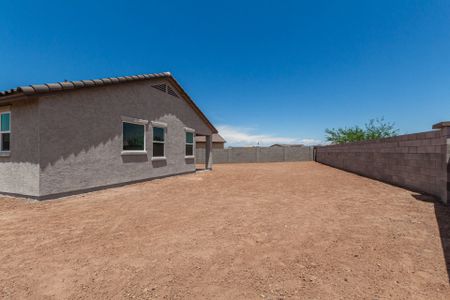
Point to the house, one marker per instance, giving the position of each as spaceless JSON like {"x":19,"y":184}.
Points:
{"x":218,"y":142}
{"x":74,"y":136}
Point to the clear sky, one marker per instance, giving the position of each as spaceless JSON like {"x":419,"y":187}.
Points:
{"x":267,"y":71}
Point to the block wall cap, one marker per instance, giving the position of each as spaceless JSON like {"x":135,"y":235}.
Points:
{"x":441,"y":125}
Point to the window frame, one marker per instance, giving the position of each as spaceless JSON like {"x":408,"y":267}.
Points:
{"x":5,"y":111}
{"x":164,"y":127}
{"x":189,"y":130}
{"x":135,"y":121}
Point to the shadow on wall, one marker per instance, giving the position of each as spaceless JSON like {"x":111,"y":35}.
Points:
{"x":189,"y":161}
{"x":442,"y":213}
{"x":159,"y":163}
{"x":134,"y":159}
{"x":103,"y":141}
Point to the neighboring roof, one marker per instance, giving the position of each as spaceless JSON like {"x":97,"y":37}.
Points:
{"x":22,"y":92}
{"x":287,"y":145}
{"x":216,"y":138}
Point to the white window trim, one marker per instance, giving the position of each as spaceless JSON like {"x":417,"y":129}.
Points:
{"x":136,"y":121}
{"x":159,"y":124}
{"x":164,"y":127}
{"x":158,"y":158}
{"x":4,"y":111}
{"x":133,"y":152}
{"x":187,"y":129}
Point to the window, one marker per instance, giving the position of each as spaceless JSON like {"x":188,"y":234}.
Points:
{"x":189,"y":143}
{"x":133,"y":137}
{"x":158,"y":141}
{"x":5,"y":131}
{"x":133,"y":132}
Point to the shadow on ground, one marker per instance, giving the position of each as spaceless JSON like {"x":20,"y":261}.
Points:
{"x":442,"y":213}
{"x":200,"y":167}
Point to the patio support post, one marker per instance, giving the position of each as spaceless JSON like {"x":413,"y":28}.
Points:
{"x":208,"y":153}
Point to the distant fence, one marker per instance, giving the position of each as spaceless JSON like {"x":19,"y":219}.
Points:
{"x":417,"y":161}
{"x":257,"y":154}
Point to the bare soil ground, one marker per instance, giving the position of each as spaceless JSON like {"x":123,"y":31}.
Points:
{"x":247,"y":231}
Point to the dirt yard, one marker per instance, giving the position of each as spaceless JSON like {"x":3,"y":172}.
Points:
{"x":247,"y":231}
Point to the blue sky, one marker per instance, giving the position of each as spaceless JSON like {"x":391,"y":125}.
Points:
{"x":267,"y":71}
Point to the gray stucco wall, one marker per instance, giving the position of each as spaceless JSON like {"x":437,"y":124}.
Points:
{"x":415,"y":161}
{"x":257,"y":154}
{"x":81,"y":136}
{"x":19,"y":172}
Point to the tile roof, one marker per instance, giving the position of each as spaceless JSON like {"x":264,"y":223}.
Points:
{"x":37,"y":89}
{"x":69,"y":85}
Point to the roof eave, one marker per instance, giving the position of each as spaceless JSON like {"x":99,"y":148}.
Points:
{"x":13,"y":98}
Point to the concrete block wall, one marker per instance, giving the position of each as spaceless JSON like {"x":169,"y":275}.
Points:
{"x":416,"y":161}
{"x":257,"y":154}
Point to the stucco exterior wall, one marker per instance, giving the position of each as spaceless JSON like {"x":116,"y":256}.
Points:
{"x":81,"y":136}
{"x":415,"y":161}
{"x":19,"y":172}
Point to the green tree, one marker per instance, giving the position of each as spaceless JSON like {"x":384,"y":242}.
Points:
{"x":375,"y":129}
